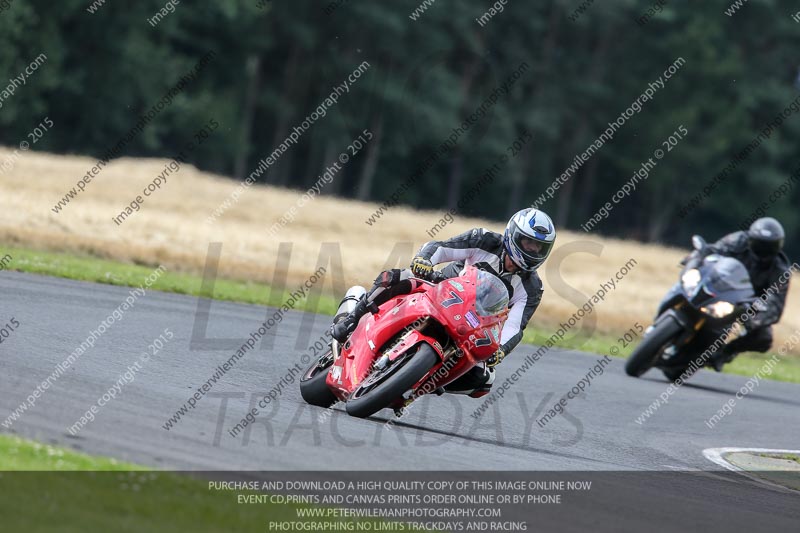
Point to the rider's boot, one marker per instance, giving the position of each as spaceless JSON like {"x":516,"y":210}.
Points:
{"x":475,"y":383}
{"x":342,"y":329}
{"x":753,"y":340}
{"x":369,"y":302}
{"x":721,"y":357}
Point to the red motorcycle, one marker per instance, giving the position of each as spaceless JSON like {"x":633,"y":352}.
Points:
{"x":415,"y":344}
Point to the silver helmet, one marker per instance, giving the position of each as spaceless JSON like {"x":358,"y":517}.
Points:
{"x":529,"y":238}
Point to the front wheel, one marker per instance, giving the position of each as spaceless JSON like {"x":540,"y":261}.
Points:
{"x":644,"y":356}
{"x":313,"y":388}
{"x":382,"y":387}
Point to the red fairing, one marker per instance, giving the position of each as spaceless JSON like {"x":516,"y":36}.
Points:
{"x":395,"y":329}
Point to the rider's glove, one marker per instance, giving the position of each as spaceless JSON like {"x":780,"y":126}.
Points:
{"x":759,"y":317}
{"x":736,"y":330}
{"x":421,"y":267}
{"x":757,"y":322}
{"x":496,"y":357}
{"x":388,"y":278}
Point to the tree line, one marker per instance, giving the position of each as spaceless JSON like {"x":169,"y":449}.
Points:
{"x":274,"y":62}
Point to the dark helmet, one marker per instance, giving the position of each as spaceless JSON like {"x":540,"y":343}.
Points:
{"x":766,"y":237}
{"x":529,"y":238}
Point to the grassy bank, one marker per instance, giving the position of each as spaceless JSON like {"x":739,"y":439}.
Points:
{"x":46,"y":488}
{"x":21,"y":455}
{"x":93,"y":269}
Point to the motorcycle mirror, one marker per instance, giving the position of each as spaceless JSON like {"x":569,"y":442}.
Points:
{"x":698,"y":242}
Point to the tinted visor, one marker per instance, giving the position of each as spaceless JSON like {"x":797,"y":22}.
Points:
{"x":533,"y":251}
{"x":765,"y":249}
{"x":491,"y":295}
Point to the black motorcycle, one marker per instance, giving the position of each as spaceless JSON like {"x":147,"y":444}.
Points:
{"x":713,"y":292}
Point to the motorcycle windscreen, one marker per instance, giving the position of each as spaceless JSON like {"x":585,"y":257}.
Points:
{"x":491,"y":295}
{"x":726,"y":274}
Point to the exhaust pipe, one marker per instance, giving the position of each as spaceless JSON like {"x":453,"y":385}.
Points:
{"x":351,"y":298}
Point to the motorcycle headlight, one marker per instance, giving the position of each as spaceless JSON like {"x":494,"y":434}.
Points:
{"x":719,"y":309}
{"x":690,"y":279}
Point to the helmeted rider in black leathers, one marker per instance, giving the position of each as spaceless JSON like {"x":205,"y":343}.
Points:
{"x":760,"y":249}
{"x":513,"y":256}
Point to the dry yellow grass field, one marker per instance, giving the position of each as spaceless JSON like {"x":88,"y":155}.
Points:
{"x":171,"y":229}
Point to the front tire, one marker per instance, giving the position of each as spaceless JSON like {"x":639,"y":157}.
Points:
{"x":644,"y":356}
{"x":369,"y":397}
{"x":313,"y":388}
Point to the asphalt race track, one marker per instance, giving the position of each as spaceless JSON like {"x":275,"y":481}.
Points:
{"x":598,"y":432}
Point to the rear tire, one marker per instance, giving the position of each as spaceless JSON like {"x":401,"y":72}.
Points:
{"x":313,"y":388}
{"x":406,"y":376}
{"x":644,"y":356}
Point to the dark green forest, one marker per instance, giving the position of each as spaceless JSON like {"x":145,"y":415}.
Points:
{"x":585,"y":64}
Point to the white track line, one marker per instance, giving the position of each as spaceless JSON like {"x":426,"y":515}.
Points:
{"x":715,"y":455}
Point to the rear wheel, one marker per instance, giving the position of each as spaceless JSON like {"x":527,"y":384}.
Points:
{"x":382,"y":387}
{"x":644,"y":356}
{"x":313,"y":388}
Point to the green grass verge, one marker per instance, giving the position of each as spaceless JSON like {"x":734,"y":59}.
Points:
{"x":19,"y":454}
{"x":787,"y":368}
{"x":93,"y":269}
{"x":784,"y":456}
{"x":45,"y":488}
{"x":746,"y":364}
{"x":113,"y":496}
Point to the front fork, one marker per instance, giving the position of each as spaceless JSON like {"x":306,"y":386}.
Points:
{"x":689,"y":333}
{"x":450,"y":352}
